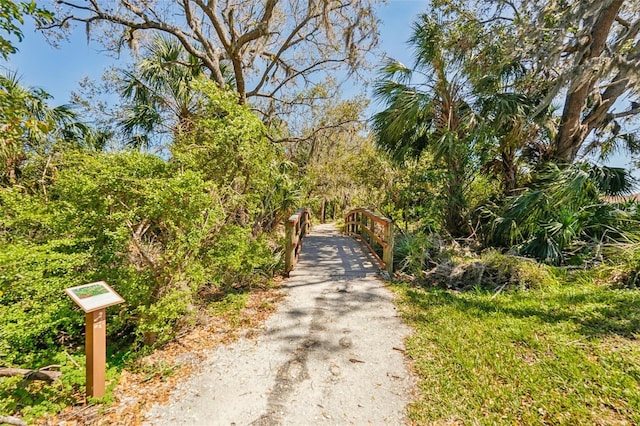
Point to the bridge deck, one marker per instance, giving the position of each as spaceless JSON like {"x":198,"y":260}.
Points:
{"x":331,"y":354}
{"x":327,"y":253}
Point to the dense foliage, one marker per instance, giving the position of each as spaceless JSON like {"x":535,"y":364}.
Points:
{"x":522,"y":261}
{"x":468,"y":156}
{"x":170,"y":236}
{"x":487,"y":160}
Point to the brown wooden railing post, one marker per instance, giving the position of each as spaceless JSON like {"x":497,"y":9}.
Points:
{"x":387,"y":256}
{"x":289,"y":253}
{"x":296,"y":228}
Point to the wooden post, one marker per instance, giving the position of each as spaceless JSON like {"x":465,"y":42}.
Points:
{"x":290,"y":252}
{"x":387,"y":254}
{"x":96,"y":352}
{"x":93,"y":298}
{"x":365,"y":224}
{"x":307,"y":222}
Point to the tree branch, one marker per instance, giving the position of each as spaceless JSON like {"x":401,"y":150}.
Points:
{"x":314,"y":132}
{"x":262,"y":27}
{"x":39,"y":374}
{"x":276,"y":58}
{"x":243,"y":31}
{"x":627,"y":113}
{"x":620,"y":83}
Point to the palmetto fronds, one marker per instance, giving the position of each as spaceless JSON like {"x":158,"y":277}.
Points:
{"x":161,"y":95}
{"x":563,"y":212}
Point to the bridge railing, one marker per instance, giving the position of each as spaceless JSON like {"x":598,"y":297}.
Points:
{"x":296,"y":228}
{"x":374,"y":231}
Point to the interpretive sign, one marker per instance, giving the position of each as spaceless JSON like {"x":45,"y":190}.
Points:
{"x":94,"y":296}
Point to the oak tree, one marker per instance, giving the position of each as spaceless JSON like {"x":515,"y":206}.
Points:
{"x":583,"y":56}
{"x":270,"y":45}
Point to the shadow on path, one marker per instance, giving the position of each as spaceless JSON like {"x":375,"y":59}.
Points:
{"x":326,"y":253}
{"x":331,"y":354}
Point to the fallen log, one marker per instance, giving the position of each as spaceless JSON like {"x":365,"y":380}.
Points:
{"x":40,"y":374}
{"x":10,"y":420}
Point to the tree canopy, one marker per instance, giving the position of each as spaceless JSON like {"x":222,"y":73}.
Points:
{"x":12,"y":16}
{"x":583,"y":56}
{"x":270,"y":45}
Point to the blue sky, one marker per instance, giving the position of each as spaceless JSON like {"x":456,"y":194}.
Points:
{"x":58,"y":70}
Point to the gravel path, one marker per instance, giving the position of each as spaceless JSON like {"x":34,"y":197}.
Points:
{"x":332,"y":353}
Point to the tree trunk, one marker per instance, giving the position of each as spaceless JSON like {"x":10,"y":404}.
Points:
{"x":572,"y":131}
{"x":509,"y":171}
{"x":455,"y":222}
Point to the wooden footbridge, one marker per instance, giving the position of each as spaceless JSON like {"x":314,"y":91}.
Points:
{"x":328,"y":252}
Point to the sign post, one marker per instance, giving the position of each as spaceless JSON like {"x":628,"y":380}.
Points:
{"x":93,"y":298}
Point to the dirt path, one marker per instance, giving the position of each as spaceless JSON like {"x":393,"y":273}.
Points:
{"x":331,"y":354}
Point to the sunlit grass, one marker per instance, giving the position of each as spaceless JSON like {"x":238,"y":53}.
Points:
{"x":558,"y":355}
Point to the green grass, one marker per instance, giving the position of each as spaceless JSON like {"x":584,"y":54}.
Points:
{"x":567,"y":354}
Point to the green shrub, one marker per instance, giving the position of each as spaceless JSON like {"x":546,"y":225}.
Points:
{"x":415,"y":253}
{"x":163,"y":233}
{"x":238,"y":258}
{"x":562,"y":218}
{"x":158,"y":320}
{"x":36,"y":317}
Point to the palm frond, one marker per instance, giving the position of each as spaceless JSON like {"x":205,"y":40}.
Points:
{"x":612,"y":180}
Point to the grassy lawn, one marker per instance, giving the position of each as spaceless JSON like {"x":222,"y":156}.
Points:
{"x":566,"y":354}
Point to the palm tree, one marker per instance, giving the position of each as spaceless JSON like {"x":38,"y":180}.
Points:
{"x":563,"y":212}
{"x":427,"y":111}
{"x":31,"y":127}
{"x":161,"y":93}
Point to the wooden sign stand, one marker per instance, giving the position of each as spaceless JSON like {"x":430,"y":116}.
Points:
{"x":96,"y":351}
{"x":93,"y":298}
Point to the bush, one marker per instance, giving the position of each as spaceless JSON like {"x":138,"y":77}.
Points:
{"x":238,"y":258}
{"x":156,"y":234}
{"x":562,"y":218}
{"x":36,"y":317}
{"x":415,"y":253}
{"x":163,"y":233}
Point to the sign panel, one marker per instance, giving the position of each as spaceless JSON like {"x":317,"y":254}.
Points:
{"x":94,"y":296}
